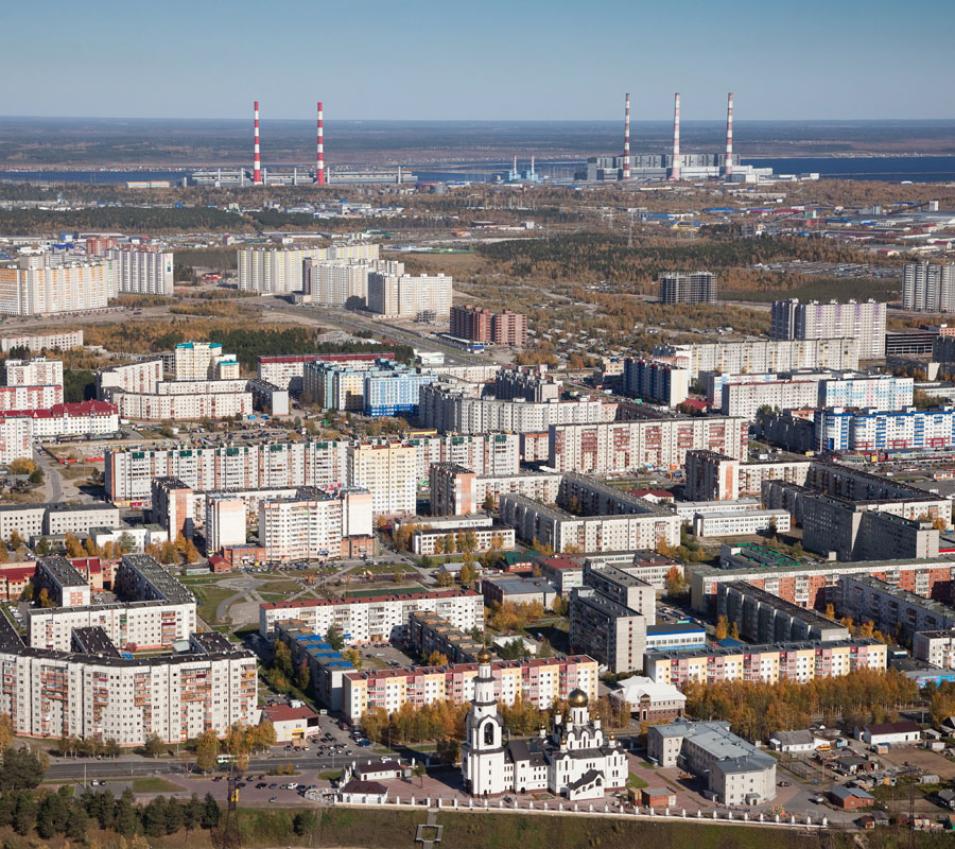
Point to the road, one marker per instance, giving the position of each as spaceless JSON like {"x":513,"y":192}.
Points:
{"x":77,"y":770}
{"x":52,"y":482}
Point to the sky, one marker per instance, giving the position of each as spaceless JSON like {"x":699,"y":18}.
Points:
{"x":487,"y":60}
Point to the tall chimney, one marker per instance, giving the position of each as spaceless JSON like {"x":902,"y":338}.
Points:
{"x":320,"y":146}
{"x":728,"y":164}
{"x":256,"y":152}
{"x":675,"y":169}
{"x":626,"y":139}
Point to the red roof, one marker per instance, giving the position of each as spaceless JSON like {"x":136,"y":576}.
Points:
{"x":18,"y":573}
{"x":286,"y":713}
{"x":63,"y":411}
{"x":561,"y":563}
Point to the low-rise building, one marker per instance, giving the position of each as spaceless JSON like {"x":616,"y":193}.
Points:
{"x":648,"y":701}
{"x":903,"y":732}
{"x":513,"y":589}
{"x":735,"y":771}
{"x":769,"y":663}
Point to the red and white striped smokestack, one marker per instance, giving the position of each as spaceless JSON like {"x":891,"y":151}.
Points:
{"x":675,"y":169}
{"x":728,"y":164}
{"x":626,"y":139}
{"x":256,"y":152}
{"x":320,"y":146}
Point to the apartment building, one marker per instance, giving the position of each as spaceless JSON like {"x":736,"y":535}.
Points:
{"x":928,"y":287}
{"x":16,"y":398}
{"x":287,"y":372}
{"x":429,"y":633}
{"x":173,"y":507}
{"x":461,"y":409}
{"x":226,"y":468}
{"x":612,"y":633}
{"x":83,"y":418}
{"x":735,"y":523}
{"x":225,"y":522}
{"x":492,"y":454}
{"x":375,"y":618}
{"x":479,"y":324}
{"x":344,"y":282}
{"x":770,"y":663}
{"x":337,"y":386}
{"x":35,"y":372}
{"x":458,"y":491}
{"x":42,"y":285}
{"x":64,"y":585}
{"x":78,"y":519}
{"x":37,"y":343}
{"x":314,"y":524}
{"x":840,"y":429}
{"x":610,"y":520}
{"x":764,"y":618}
{"x":540,"y":682}
{"x":762,"y":355}
{"x":389,"y":471}
{"x":628,"y":446}
{"x":142,"y":270}
{"x":864,"y":321}
{"x":216,"y":399}
{"x":879,"y":392}
{"x":89,"y":690}
{"x":425,"y":297}
{"x":202,"y":361}
{"x":680,"y":288}
{"x":426,"y":541}
{"x":659,"y":383}
{"x":533,"y":384}
{"x":935,"y":647}
{"x":744,"y":399}
{"x":809,"y":584}
{"x":867,"y":598}
{"x":16,"y":438}
{"x":156,"y":611}
{"x":394,"y":390}
{"x":711,"y":476}
{"x":276,"y":269}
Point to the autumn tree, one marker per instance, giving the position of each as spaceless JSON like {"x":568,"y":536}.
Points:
{"x":207,"y":751}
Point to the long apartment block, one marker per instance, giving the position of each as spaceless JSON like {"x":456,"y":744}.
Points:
{"x":89,"y":690}
{"x":376,"y":618}
{"x":539,"y":682}
{"x":769,"y":663}
{"x":627,"y":446}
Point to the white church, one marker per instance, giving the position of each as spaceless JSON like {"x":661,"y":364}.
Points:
{"x":576,"y":760}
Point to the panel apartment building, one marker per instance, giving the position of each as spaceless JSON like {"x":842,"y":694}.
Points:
{"x":864,"y":321}
{"x":698,"y":287}
{"x":373,"y":619}
{"x":762,"y":355}
{"x":631,"y":445}
{"x":928,"y":287}
{"x":275,"y":269}
{"x":42,"y":285}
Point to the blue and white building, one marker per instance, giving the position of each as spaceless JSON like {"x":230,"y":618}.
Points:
{"x":394,"y":390}
{"x":879,"y":392}
{"x":839,"y":429}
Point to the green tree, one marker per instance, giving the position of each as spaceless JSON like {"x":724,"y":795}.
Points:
{"x":154,"y":817}
{"x":154,"y":746}
{"x":126,"y":818}
{"x":304,"y":823}
{"x":333,"y":636}
{"x":24,"y":814}
{"x":210,"y":812}
{"x":22,"y":770}
{"x":77,"y":823}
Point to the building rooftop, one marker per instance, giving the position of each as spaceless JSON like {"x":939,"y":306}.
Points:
{"x":165,"y":585}
{"x":748,"y":648}
{"x":95,"y":641}
{"x":62,"y":571}
{"x":377,"y":599}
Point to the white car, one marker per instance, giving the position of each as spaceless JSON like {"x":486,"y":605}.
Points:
{"x":292,"y":785}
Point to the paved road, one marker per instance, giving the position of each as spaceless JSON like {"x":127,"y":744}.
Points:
{"x":73,"y":770}
{"x":52,"y":482}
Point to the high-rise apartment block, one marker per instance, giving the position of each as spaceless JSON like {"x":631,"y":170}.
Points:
{"x":390,"y":471}
{"x":277,"y":269}
{"x":142,"y":270}
{"x":928,"y":287}
{"x":762,"y":355}
{"x":420,"y":297}
{"x":696,"y":288}
{"x":344,"y":282}
{"x":659,"y":383}
{"x":42,"y":285}
{"x":864,"y":321}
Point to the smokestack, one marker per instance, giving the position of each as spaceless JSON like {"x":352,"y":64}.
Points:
{"x":675,"y":169}
{"x":256,"y":152}
{"x":320,"y":146}
{"x":626,"y":139}
{"x":728,"y":164}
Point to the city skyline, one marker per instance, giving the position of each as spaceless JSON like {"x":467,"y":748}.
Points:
{"x":783,"y":63}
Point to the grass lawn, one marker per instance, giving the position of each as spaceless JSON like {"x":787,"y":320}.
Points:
{"x":385,"y":590}
{"x":154,"y":784}
{"x":280,"y":587}
{"x":209,"y":597}
{"x":635,"y":781}
{"x":330,"y":774}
